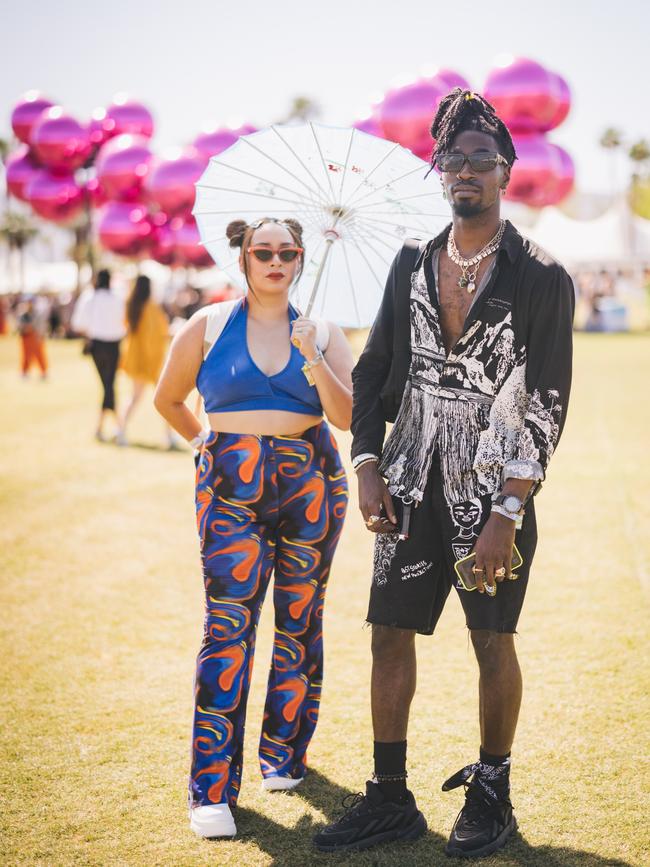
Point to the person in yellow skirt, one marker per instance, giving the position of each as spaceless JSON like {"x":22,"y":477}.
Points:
{"x":144,"y":350}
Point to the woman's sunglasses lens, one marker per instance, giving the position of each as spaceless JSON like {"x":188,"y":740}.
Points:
{"x":263,"y":255}
{"x":288,"y":255}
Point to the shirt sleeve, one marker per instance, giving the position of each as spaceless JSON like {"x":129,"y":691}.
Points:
{"x":370,"y":373}
{"x":549,"y":351}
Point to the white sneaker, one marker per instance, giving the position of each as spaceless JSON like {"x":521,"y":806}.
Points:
{"x":212,"y":820}
{"x":280,"y":784}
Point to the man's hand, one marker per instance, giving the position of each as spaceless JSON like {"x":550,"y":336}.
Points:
{"x":494,"y":551}
{"x":373,"y":494}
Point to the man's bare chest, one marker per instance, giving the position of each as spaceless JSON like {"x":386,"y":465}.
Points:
{"x":454,"y":301}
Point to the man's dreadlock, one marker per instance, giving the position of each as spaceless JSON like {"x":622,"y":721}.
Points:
{"x":463,"y":110}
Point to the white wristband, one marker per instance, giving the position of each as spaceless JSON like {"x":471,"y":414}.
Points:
{"x":361,"y":459}
{"x":199,"y":439}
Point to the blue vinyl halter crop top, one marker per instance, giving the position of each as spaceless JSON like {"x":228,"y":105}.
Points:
{"x":230,"y":381}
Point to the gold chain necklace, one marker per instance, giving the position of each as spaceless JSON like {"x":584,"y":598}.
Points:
{"x":470,"y":267}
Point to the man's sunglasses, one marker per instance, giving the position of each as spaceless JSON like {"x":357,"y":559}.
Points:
{"x":479,"y":162}
{"x":265,"y":254}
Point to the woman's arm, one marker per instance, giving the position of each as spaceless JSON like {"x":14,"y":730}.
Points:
{"x":178,"y":377}
{"x":333,"y":376}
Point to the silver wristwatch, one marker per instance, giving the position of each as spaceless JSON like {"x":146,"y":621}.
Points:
{"x":509,"y":502}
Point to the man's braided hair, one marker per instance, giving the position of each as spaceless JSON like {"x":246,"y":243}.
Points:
{"x":463,"y":110}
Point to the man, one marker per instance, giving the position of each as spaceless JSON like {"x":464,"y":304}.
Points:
{"x":473,"y":344}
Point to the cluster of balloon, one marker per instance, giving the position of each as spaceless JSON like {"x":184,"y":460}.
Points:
{"x":142,"y":203}
{"x":533,"y":100}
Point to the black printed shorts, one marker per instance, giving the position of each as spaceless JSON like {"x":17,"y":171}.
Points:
{"x":412,"y":579}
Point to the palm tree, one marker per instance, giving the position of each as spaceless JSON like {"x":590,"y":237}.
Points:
{"x":17,"y":230}
{"x":302,"y":108}
{"x":612,"y":140}
{"x":639,"y":153}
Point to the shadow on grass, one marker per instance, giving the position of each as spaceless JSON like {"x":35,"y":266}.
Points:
{"x":292,"y":847}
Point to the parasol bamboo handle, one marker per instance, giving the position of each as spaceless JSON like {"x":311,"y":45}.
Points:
{"x":329,"y":242}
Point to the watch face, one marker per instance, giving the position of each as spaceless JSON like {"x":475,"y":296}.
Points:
{"x":512,"y":503}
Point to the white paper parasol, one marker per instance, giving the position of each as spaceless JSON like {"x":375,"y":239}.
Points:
{"x":357,"y":197}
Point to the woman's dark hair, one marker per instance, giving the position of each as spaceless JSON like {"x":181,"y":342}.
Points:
{"x":240,"y":233}
{"x":139,"y":296}
{"x":463,"y":110}
{"x":103,"y":279}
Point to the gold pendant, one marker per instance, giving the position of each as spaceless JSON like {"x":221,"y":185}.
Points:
{"x":471,"y":287}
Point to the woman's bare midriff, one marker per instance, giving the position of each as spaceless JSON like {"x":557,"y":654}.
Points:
{"x":265,"y":422}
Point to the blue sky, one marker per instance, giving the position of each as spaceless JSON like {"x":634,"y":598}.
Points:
{"x":198,"y":63}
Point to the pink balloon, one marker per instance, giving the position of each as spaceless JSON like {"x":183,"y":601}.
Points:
{"x":566,"y":174}
{"x":26,"y":112}
{"x":540,"y":172}
{"x":452,"y":79}
{"x":126,"y":115}
{"x":122,"y":165}
{"x":170,"y":183}
{"x":188,"y":246}
{"x":100,"y":127}
{"x":21,"y":168}
{"x":59,"y":141}
{"x":370,"y":125}
{"x":406,"y":113}
{"x":125,"y":228}
{"x":209,"y":144}
{"x":526,"y":96}
{"x":94,"y":192}
{"x":55,"y":197}
{"x":163,"y":249}
{"x":563,"y":94}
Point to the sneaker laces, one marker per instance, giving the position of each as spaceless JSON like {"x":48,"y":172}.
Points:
{"x":352,"y":805}
{"x":478,"y":800}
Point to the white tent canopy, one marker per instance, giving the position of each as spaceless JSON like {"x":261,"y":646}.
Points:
{"x":618,"y":237}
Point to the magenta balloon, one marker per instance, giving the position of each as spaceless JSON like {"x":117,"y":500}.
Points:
{"x":188,"y":247}
{"x":163,"y":249}
{"x":563,"y":96}
{"x":129,"y":116}
{"x":526,"y":96}
{"x":170,"y":183}
{"x":452,"y":79}
{"x":566,"y":174}
{"x":122,"y":165}
{"x":370,"y":125}
{"x":406,"y":113}
{"x":26,"y":112}
{"x":54,"y":197}
{"x":94,"y":192}
{"x":209,"y":144}
{"x":125,"y":228}
{"x":536,"y":173}
{"x":21,"y":168}
{"x":100,"y":127}
{"x":60,"y":142}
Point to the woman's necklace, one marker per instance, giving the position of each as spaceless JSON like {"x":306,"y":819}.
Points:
{"x":470,"y":267}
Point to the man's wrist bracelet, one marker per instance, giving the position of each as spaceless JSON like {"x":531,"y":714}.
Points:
{"x":371,"y":460}
{"x":512,"y":516}
{"x":361,"y":459}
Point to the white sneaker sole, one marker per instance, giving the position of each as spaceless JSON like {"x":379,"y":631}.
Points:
{"x":210,"y":827}
{"x":280,"y":784}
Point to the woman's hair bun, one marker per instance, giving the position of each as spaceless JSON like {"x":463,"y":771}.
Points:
{"x":295,"y":225}
{"x":235,"y":232}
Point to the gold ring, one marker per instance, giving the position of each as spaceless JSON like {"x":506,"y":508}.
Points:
{"x":500,"y":573}
{"x":476,"y":570}
{"x":490,"y":590}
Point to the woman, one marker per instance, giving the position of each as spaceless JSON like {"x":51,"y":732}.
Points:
{"x":99,"y":317}
{"x":146,"y":345}
{"x":271,"y":496}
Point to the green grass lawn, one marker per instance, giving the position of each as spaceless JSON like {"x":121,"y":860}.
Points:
{"x":101,"y":618}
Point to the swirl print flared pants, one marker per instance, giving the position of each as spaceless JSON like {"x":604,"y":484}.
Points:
{"x":264,"y":505}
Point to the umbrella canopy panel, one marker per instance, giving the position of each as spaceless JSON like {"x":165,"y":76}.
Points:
{"x":360,"y":195}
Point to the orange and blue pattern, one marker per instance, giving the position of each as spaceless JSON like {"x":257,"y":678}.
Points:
{"x":265,"y":505}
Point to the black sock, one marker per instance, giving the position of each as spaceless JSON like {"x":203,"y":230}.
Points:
{"x":390,"y":769}
{"x":494,"y":774}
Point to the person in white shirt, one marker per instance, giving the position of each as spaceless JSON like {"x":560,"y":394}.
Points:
{"x":99,"y":316}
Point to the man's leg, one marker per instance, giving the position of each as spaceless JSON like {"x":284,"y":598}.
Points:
{"x":394,"y":672}
{"x":500,"y":688}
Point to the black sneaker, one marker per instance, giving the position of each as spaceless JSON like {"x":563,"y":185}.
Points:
{"x":369,"y":820}
{"x":484,"y":824}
